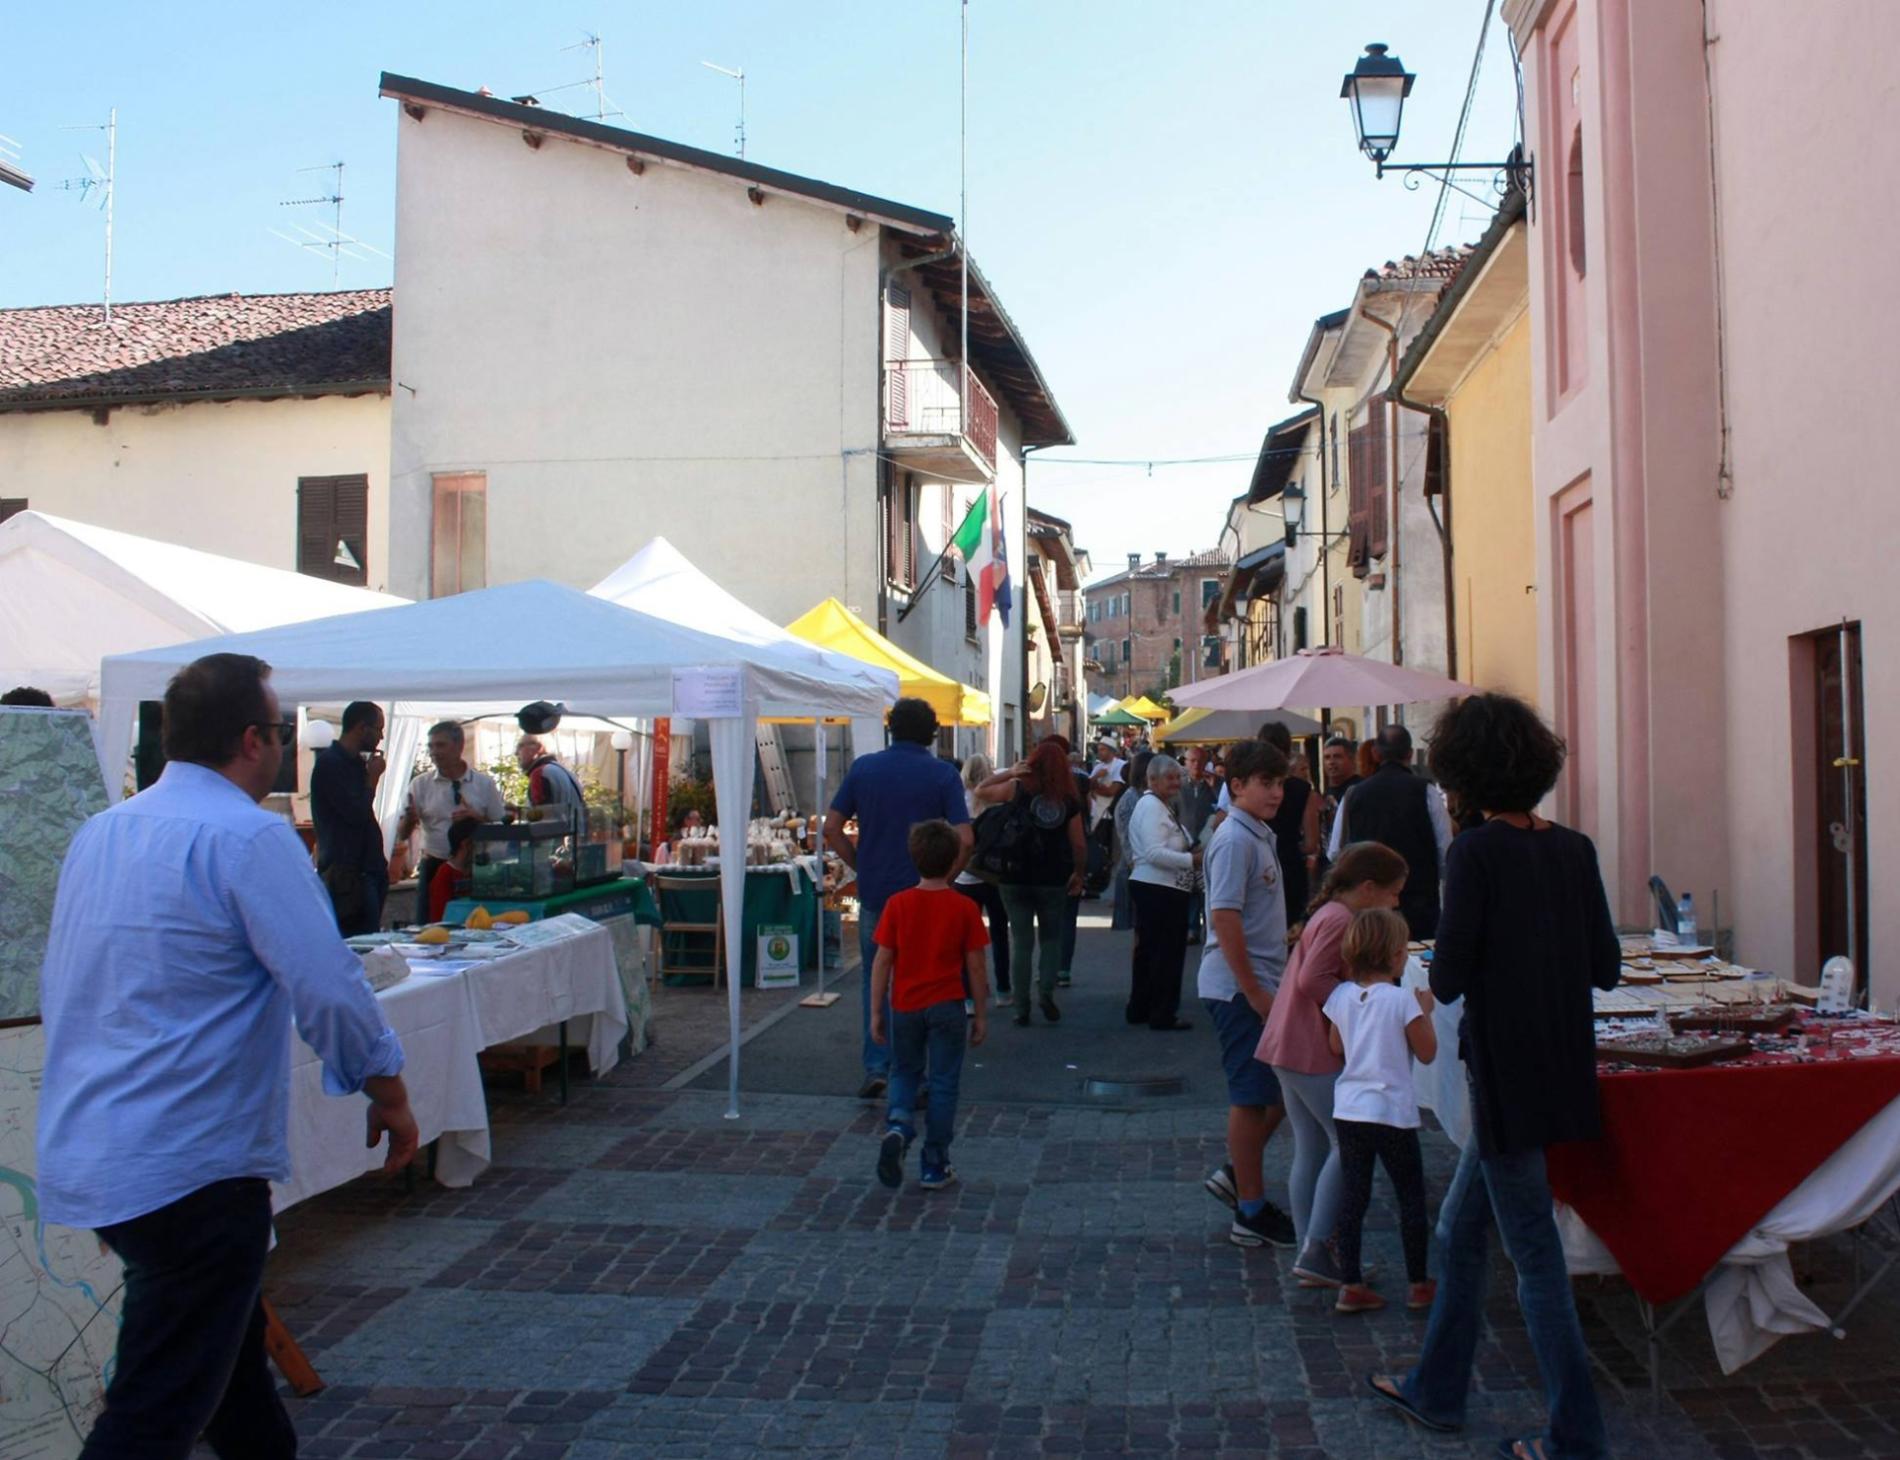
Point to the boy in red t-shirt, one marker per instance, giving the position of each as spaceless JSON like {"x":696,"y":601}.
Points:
{"x":929,"y":940}
{"x":452,"y":873}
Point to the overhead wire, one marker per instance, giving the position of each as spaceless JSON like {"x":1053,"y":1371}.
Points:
{"x":1458,"y":137}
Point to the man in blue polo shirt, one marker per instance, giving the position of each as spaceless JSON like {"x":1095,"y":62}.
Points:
{"x":889,"y":792}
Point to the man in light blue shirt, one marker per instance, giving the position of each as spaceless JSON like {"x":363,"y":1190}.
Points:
{"x":188,"y":932}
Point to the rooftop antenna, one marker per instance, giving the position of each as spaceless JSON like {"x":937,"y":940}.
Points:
{"x":591,"y":42}
{"x":11,"y":172}
{"x":332,"y":240}
{"x":102,"y":179}
{"x":738,"y":76}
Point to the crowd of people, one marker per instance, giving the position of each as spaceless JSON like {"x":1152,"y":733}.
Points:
{"x":1308,"y":903}
{"x":190,"y":932}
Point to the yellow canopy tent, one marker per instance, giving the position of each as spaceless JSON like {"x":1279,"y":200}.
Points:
{"x":833,"y":626}
{"x":1146,"y":708}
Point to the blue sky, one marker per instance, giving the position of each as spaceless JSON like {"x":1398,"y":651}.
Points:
{"x":1165,"y":196}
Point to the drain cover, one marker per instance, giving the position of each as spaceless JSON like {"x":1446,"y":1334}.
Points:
{"x":1138,"y":1089}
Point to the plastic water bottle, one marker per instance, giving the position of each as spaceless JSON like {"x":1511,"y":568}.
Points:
{"x":1685,"y":923}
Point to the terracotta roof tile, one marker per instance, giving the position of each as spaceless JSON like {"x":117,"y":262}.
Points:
{"x":1440,"y":263}
{"x":211,"y":346}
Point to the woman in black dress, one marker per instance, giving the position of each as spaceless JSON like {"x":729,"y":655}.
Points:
{"x":1524,"y":935}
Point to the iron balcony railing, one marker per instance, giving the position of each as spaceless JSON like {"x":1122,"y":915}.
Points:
{"x":920,"y":398}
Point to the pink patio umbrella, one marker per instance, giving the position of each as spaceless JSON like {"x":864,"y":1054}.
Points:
{"x":1317,"y":679}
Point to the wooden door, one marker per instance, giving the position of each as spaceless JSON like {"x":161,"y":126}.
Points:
{"x":1837,"y":656}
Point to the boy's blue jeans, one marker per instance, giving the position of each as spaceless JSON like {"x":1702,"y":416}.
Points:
{"x":927,"y":1044}
{"x":1514,"y":1193}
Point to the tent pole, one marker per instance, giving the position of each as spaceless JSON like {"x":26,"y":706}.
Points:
{"x":818,"y":849}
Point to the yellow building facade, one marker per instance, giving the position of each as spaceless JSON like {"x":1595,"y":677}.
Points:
{"x":1473,"y":364}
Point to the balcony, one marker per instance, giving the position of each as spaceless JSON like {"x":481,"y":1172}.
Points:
{"x":1071,"y":614}
{"x":925,"y":427}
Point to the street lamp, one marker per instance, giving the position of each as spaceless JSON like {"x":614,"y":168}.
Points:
{"x":1293,"y":508}
{"x":1377,"y":87}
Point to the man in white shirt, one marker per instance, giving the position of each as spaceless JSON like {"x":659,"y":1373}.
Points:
{"x":1108,"y":772}
{"x":453,"y":791}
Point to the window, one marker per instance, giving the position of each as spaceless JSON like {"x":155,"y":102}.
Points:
{"x":951,"y":523}
{"x":459,"y":550}
{"x":333,"y":528}
{"x":900,"y":524}
{"x":1299,"y":627}
{"x":1368,"y":506}
{"x":897,"y":335}
{"x":1177,"y":606}
{"x":969,"y":607}
{"x":1210,"y":651}
{"x":11,"y":505}
{"x":1339,"y":615}
{"x":1125,"y":646}
{"x":1125,"y":602}
{"x":1210,"y":590}
{"x":1095,"y":613}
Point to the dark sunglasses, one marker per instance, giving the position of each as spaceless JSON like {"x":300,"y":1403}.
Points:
{"x":286,"y":729}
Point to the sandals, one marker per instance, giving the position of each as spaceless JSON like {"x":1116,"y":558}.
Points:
{"x":1388,"y":1393}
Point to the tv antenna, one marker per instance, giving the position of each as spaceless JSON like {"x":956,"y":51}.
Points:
{"x":11,"y":172}
{"x":332,"y":240}
{"x":99,"y":179}
{"x":738,"y":76}
{"x":591,"y":42}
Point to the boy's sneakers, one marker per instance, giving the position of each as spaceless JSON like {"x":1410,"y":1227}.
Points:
{"x":1420,"y":1296}
{"x":1358,"y":1298}
{"x":1221,"y":1187}
{"x":1269,"y":1227}
{"x":936,"y":1178}
{"x":890,"y":1158}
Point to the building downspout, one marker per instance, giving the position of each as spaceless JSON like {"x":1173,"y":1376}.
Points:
{"x":1325,"y":553}
{"x":885,"y":274}
{"x":1392,"y":545}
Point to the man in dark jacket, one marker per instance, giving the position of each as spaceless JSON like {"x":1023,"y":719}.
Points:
{"x":350,"y":857}
{"x":1407,"y":813}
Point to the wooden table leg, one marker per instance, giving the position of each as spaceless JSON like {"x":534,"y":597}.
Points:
{"x":303,"y":1379}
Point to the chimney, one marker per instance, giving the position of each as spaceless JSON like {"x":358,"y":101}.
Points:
{"x":1134,"y":561}
{"x":1160,"y":558}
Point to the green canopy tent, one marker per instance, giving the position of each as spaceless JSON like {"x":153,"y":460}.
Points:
{"x":1119,"y":716}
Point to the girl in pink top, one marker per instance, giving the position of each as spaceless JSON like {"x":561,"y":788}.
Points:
{"x":1367,"y":875}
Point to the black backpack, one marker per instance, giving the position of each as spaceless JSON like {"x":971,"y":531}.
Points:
{"x":1004,"y":840}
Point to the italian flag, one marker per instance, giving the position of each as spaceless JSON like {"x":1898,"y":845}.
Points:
{"x":980,"y":541}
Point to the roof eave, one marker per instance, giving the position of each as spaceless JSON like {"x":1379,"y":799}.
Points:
{"x":539,"y":119}
{"x":1510,"y":212}
{"x":210,"y":393}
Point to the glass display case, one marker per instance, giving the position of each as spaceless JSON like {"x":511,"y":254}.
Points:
{"x":522,"y":860}
{"x":600,"y":849}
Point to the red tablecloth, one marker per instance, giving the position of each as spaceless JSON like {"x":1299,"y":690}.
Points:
{"x":1690,"y":1160}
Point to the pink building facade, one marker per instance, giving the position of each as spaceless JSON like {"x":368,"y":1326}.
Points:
{"x":1710,"y":334}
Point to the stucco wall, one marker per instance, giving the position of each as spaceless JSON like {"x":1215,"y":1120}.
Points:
{"x":219,"y":476}
{"x":629,"y":355}
{"x":1493,"y":550}
{"x":1810,"y":527}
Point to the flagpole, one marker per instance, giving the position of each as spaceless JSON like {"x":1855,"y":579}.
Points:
{"x":963,"y":219}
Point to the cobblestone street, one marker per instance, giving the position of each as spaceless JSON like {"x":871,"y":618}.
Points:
{"x":637,"y":1275}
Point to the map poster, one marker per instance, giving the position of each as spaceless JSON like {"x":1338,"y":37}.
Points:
{"x":59,"y":1289}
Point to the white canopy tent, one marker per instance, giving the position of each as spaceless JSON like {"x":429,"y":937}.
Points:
{"x":661,"y":580}
{"x":72,"y":593}
{"x":536,"y":640}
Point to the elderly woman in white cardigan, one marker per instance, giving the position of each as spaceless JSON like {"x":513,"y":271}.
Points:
{"x":1164,"y":868}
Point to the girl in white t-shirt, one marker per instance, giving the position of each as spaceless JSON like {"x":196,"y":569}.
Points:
{"x":1377,"y":1028}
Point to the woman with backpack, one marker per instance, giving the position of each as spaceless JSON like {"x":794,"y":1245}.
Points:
{"x":1038,"y":861}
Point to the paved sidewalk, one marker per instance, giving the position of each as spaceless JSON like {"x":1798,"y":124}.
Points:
{"x":637,"y":1276}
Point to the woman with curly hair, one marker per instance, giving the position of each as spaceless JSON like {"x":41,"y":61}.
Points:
{"x":1036,"y":896}
{"x":1524,"y":935}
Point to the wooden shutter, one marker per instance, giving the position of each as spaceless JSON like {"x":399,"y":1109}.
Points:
{"x":910,"y":530}
{"x":333,"y":524}
{"x":1435,"y":463}
{"x":897,"y":352}
{"x":1358,"y":481}
{"x":1378,"y":479}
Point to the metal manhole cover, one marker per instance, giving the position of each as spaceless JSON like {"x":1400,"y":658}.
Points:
{"x":1138,"y":1089}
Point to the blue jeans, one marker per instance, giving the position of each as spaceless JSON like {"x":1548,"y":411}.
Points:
{"x":927,"y":1045}
{"x":1514,"y":1193}
{"x":877,"y":1057}
{"x":1032,"y":908}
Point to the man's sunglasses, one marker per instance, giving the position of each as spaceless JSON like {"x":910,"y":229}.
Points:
{"x":286,"y":729}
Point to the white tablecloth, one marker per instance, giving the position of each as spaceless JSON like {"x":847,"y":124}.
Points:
{"x":445,"y":1014}
{"x":436,"y":1023}
{"x":1751,"y":1300}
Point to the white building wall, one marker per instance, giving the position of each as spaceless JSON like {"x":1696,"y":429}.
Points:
{"x":220,"y":476}
{"x":626,"y":355}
